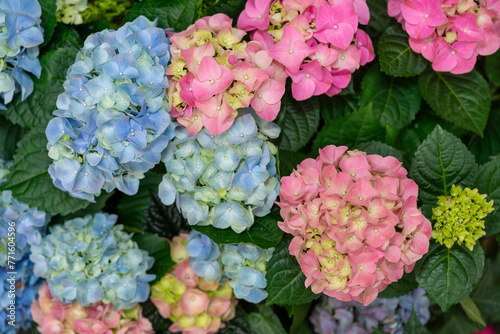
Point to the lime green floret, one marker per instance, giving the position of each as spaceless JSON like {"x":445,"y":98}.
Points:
{"x":460,"y":217}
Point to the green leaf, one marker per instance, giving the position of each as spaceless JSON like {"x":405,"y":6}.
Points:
{"x":464,"y":100}
{"x":160,"y":324}
{"x":48,"y":19}
{"x":288,"y":161}
{"x":488,"y":147}
{"x":177,"y":14}
{"x":231,"y":8}
{"x":448,"y":275}
{"x":238,"y":325}
{"x":441,"y":161}
{"x":65,"y":37}
{"x":376,"y":147}
{"x":396,"y":56}
{"x":300,"y":124}
{"x":30,"y":181}
{"x":471,"y":310}
{"x":299,"y":313}
{"x":414,"y":326}
{"x":264,"y":232}
{"x":456,"y":323}
{"x":488,"y":182}
{"x":378,"y":331}
{"x":337,"y":106}
{"x":164,"y":220}
{"x":487,"y":294}
{"x":37,"y":109}
{"x":265,"y":321}
{"x":355,"y":128}
{"x":492,"y":66}
{"x":404,"y":285}
{"x":379,"y":19}
{"x":285,"y":280}
{"x":396,"y":101}
{"x":159,"y":248}
{"x":10,"y":134}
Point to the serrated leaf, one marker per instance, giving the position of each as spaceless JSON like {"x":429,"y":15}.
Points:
{"x":337,"y":106}
{"x":176,"y":14}
{"x":464,"y":100}
{"x":285,"y":280}
{"x":300,"y":123}
{"x":159,"y":248}
{"x":396,"y":101}
{"x":488,"y":147}
{"x":396,"y":56}
{"x":379,"y":19}
{"x":376,"y":147}
{"x":470,"y":308}
{"x":487,"y":294}
{"x":441,"y":161}
{"x":48,"y":19}
{"x":492,"y":66}
{"x":414,"y":326}
{"x":30,"y":181}
{"x":448,"y":275}
{"x":404,"y":285}
{"x":264,"y":232}
{"x":10,"y":134}
{"x":231,"y":8}
{"x":488,"y":182}
{"x":355,"y":128}
{"x":288,"y":161}
{"x":237,"y":325}
{"x":265,"y":321}
{"x":37,"y":109}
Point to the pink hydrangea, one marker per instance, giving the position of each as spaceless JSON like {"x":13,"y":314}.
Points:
{"x":195,"y":305}
{"x":213,"y":74}
{"x":55,"y":317}
{"x":450,"y":34}
{"x":355,"y":220}
{"x":318,"y":41}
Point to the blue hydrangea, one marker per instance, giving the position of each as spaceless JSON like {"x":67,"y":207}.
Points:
{"x":21,"y":228}
{"x":91,"y":259}
{"x":331,"y":316}
{"x":4,"y":170}
{"x":244,"y":265}
{"x":20,"y":36}
{"x":223,"y":180}
{"x":27,"y":285}
{"x":112,"y":123}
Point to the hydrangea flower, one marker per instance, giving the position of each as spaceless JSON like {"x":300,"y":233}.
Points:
{"x":26,"y":290}
{"x":460,"y":217}
{"x":70,"y":11}
{"x":355,"y":220}
{"x":244,"y":265}
{"x":331,"y":316}
{"x":90,"y":260}
{"x":21,"y":228}
{"x":4,"y":170}
{"x":54,"y":316}
{"x":213,"y":74}
{"x":318,"y":42}
{"x":20,"y":36}
{"x":111,"y":125}
{"x":223,"y":180}
{"x":450,"y":34}
{"x":194,"y":304}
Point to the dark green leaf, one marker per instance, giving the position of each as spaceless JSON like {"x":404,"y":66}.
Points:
{"x":288,"y":161}
{"x":337,"y":106}
{"x":177,"y":14}
{"x":159,"y":248}
{"x":285,"y":280}
{"x":264,"y":232}
{"x":488,"y":147}
{"x":355,"y":128}
{"x":456,"y":323}
{"x":448,"y":275}
{"x":300,"y":124}
{"x":237,"y":325}
{"x":396,"y":101}
{"x":265,"y":321}
{"x":488,"y":182}
{"x":487,"y":294}
{"x":159,"y":323}
{"x":414,"y":326}
{"x":441,"y":161}
{"x":231,"y":8}
{"x":10,"y":134}
{"x":378,"y":331}
{"x":492,"y":68}
{"x":470,"y":308}
{"x":65,"y":37}
{"x":30,"y":181}
{"x":376,"y":147}
{"x":405,"y":285}
{"x":450,"y":96}
{"x":379,"y":19}
{"x":48,"y":19}
{"x":164,"y":220}
{"x":299,"y":313}
{"x":396,"y":56}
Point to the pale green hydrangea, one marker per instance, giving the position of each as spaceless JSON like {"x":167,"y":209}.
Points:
{"x":70,"y":11}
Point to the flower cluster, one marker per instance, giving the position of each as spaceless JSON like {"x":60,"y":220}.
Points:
{"x":90,"y":260}
{"x":111,"y":125}
{"x":70,"y":11}
{"x":26,"y":289}
{"x":460,"y":217}
{"x":450,"y":34}
{"x":390,"y":315}
{"x":318,"y":42}
{"x":244,"y":265}
{"x":53,"y":316}
{"x":355,"y":220}
{"x":20,"y":36}
{"x":194,"y":304}
{"x":21,"y":227}
{"x":213,"y":74}
{"x":223,"y":180}
{"x":4,"y":170}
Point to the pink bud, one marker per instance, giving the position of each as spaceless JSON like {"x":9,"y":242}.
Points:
{"x":194,"y":302}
